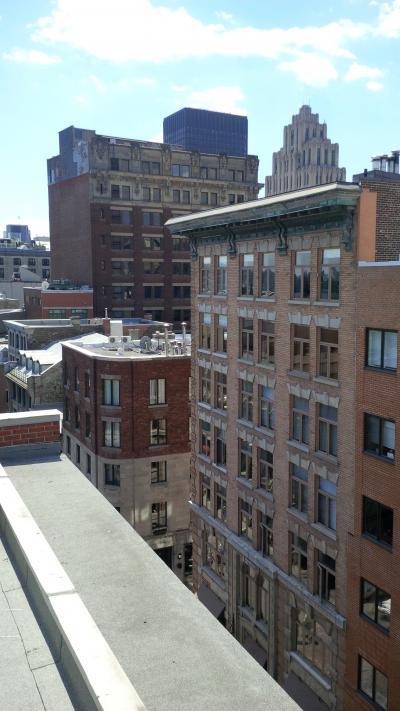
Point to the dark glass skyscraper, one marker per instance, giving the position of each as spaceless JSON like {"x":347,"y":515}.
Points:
{"x":207,"y":131}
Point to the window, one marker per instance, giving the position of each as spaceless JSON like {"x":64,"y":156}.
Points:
{"x":152,"y":267}
{"x":151,"y":167}
{"x":154,"y":291}
{"x":87,"y":425}
{"x":377,"y":521}
{"x":245,"y":519}
{"x":247,"y":588}
{"x":213,"y":199}
{"x":205,"y":275}
{"x":330,"y":273}
{"x":327,"y":429}
{"x":301,"y":275}
{"x":205,"y":331}
{"x":68,"y":443}
{"x":180,"y":170}
{"x":121,"y":293}
{"x":203,"y":198}
{"x":159,"y":518}
{"x":181,"y":292}
{"x":379,"y":436}
{"x":158,"y":472}
{"x":372,"y":683}
{"x":313,"y":642}
{"x":298,"y":558}
{"x":267,"y":408}
{"x":111,"y":392}
{"x":222,"y":275}
{"x":300,"y":420}
{"x":245,"y":459}
{"x":267,"y":342}
{"x":220,"y":501}
{"x":220,"y":447}
{"x":78,"y":454}
{"x":266,"y":535}
{"x":124,"y":268}
{"x":205,"y":438}
{"x":158,"y":431}
{"x":375,"y":604}
{"x":299,"y":488}
{"x":180,"y":244}
{"x":153,"y":244}
{"x":185,"y":197}
{"x":328,"y":353}
{"x":77,"y":418}
{"x":381,"y":349}
{"x":79,"y":313}
{"x":267,"y":282}
{"x":157,"y":391}
{"x":76,"y":379}
{"x":176,"y":196}
{"x":222,"y":334}
{"x":210,"y":173}
{"x":326,"y":567}
{"x":247,"y":276}
{"x":205,"y":385}
{"x":66,"y":408}
{"x":182,"y":268}
{"x":301,"y":349}
{"x":206,"y":493}
{"x":121,"y":217}
{"x":121,"y":242}
{"x":214,"y":552}
{"x":262,"y":598}
{"x":152,"y":218}
{"x":247,"y":338}
{"x":265,"y":470}
{"x":57,"y":313}
{"x":111,"y":433}
{"x":88,"y":464}
{"x":246,"y":400}
{"x":221,"y":391}
{"x":327,"y":503}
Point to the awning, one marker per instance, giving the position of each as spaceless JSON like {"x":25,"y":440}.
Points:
{"x":303,"y":695}
{"x":211,"y":601}
{"x":259,"y":654}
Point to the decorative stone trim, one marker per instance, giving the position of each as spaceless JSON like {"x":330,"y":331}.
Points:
{"x":265,"y":380}
{"x":298,"y":460}
{"x":219,"y":367}
{"x":265,"y":315}
{"x":244,"y":312}
{"x":245,"y":375}
{"x":325,"y":548}
{"x":220,"y":309}
{"x":265,"y":444}
{"x":325,"y":399}
{"x":246,"y":436}
{"x":298,"y":391}
{"x":204,"y":416}
{"x":326,"y":321}
{"x":204,"y":308}
{"x":299,"y":318}
{"x":325,"y":473}
{"x":202,"y":363}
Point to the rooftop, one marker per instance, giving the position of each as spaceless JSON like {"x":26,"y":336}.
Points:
{"x":128,"y":349}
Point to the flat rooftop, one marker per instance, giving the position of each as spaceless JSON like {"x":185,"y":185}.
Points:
{"x":149,"y":348}
{"x":131,"y":630}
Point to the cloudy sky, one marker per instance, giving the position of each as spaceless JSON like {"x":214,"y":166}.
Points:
{"x":119,"y":67}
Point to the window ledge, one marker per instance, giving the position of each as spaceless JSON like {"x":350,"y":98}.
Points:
{"x":218,"y":412}
{"x":298,"y":514}
{"x":112,"y":487}
{"x":262,"y":627}
{"x":380,"y":457}
{"x":246,"y":361}
{"x":267,"y":366}
{"x":158,"y":483}
{"x":265,"y":431}
{"x":382,"y":544}
{"x":202,"y":294}
{"x":268,"y":299}
{"x":245,"y":423}
{"x":326,"y":381}
{"x":248,"y":613}
{"x":305,"y":664}
{"x":110,"y":407}
{"x":328,"y":532}
{"x":386,"y":371}
{"x":298,"y":445}
{"x":206,"y":351}
{"x":245,"y":482}
{"x":374,"y":624}
{"x":329,"y":304}
{"x":219,"y":468}
{"x":204,"y":405}
{"x":220,"y":354}
{"x":327,"y":458}
{"x":212,"y":575}
{"x":220,"y":296}
{"x":304,"y":302}
{"x":158,"y":404}
{"x":245,"y":298}
{"x":204,"y":458}
{"x":299,"y":374}
{"x":264,"y":493}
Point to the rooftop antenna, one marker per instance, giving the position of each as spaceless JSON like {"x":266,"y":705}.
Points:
{"x":106,"y":312}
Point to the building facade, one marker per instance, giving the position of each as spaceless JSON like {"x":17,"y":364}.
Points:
{"x":207,"y":131}
{"x":109,"y":199}
{"x":58,"y":300}
{"x":126,"y":426}
{"x":12,"y":259}
{"x":308,"y":157}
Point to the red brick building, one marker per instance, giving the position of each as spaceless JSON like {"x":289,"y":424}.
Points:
{"x":126,"y":426}
{"x":58,"y":301}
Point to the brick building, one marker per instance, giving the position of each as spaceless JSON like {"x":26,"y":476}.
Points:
{"x":58,"y":300}
{"x":108,"y":201}
{"x":283,"y":538}
{"x":126,"y":426}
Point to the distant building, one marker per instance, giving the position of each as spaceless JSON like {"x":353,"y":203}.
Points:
{"x":19,"y":233}
{"x":207,"y":131}
{"x":308,"y":157}
{"x":58,"y":300}
{"x":13,"y":257}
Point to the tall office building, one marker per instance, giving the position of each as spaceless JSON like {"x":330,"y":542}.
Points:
{"x":308,"y":157}
{"x":295,"y":506}
{"x":18,"y":233}
{"x":207,"y":131}
{"x":108,"y":201}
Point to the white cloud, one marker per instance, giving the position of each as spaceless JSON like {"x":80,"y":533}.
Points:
{"x":362,"y":71}
{"x":81,"y":100}
{"x":374,"y":85}
{"x":222,"y":15}
{"x":311,"y":69}
{"x":30,"y":56}
{"x":220,"y":98}
{"x":98,"y":84}
{"x":179,"y":88}
{"x":389,"y":19}
{"x":158,"y":138}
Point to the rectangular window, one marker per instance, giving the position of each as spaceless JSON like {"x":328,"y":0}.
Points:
{"x":176,"y":196}
{"x":266,"y":535}
{"x":299,"y":488}
{"x":111,"y":433}
{"x":245,"y":459}
{"x":220,"y":447}
{"x":121,"y":217}
{"x":267,"y":277}
{"x":247,"y":275}
{"x":185,"y":197}
{"x":181,"y":292}
{"x":327,"y":503}
{"x":180,"y":244}
{"x":328,"y":353}
{"x":88,"y":464}
{"x":68,"y":441}
{"x":205,"y":438}
{"x":203,"y":198}
{"x":300,"y":420}
{"x":153,"y":291}
{"x":152,"y":267}
{"x":67,"y":413}
{"x":180,"y":170}
{"x":375,"y":604}
{"x":152,"y":218}
{"x":78,"y":454}
{"x":381,"y":349}
{"x":213,"y":199}
{"x":205,"y":385}
{"x":158,"y":472}
{"x":222,"y":334}
{"x":247,"y":588}
{"x":112,"y":474}
{"x":247,"y":338}
{"x":245,"y":519}
{"x":326,"y":574}
{"x":111,"y":392}
{"x":327,"y":429}
{"x":301,"y":275}
{"x":153,"y":244}
{"x":206,"y":493}
{"x":379,"y":436}
{"x":372,"y":683}
{"x":214,"y":552}
{"x":220,"y":502}
{"x":330,"y":275}
{"x":301,"y":349}
{"x":157,"y":391}
{"x":377,"y":521}
{"x":267,"y":342}
{"x":182,"y":268}
{"x":158,"y":431}
{"x":205,"y":331}
{"x":87,"y":425}
{"x":77,"y":418}
{"x":121,"y":242}
{"x":298,"y":558}
{"x":221,"y":391}
{"x":313,"y":642}
{"x":246,"y":400}
{"x":222,"y":275}
{"x":159,"y":518}
{"x":205,"y":275}
{"x":267,"y":407}
{"x":265,"y":470}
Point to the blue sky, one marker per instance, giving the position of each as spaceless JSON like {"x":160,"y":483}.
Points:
{"x":119,"y":67}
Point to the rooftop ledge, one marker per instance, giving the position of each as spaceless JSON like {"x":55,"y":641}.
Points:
{"x":124,"y":631}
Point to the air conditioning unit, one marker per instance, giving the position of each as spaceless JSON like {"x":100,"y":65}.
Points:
{"x":112,"y":339}
{"x":125,"y":339}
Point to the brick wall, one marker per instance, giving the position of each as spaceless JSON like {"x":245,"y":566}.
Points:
{"x":32,"y":428}
{"x":387,"y":218}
